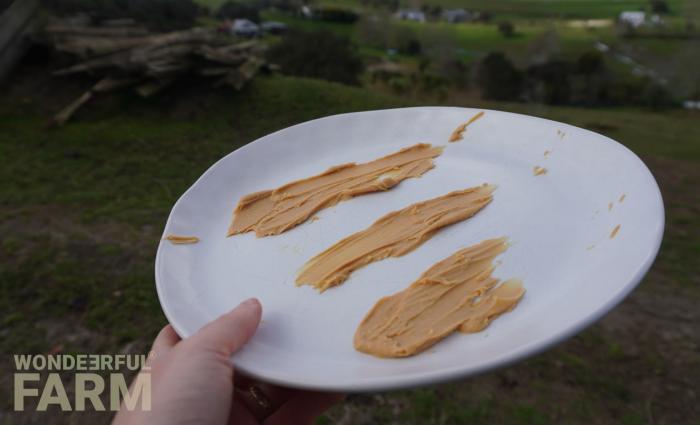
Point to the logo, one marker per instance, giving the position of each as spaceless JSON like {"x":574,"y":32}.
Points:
{"x":89,"y":380}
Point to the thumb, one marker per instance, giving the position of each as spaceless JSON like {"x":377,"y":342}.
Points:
{"x":232,"y":330}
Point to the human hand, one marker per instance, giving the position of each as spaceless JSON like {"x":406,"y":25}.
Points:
{"x":192,"y":381}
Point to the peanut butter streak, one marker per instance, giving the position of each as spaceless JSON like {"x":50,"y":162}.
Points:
{"x":271,"y":212}
{"x":393,"y":235}
{"x":457,"y":293}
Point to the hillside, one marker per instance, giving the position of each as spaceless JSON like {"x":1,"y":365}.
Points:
{"x":80,"y":223}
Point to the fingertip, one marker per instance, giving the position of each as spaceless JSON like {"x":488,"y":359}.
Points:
{"x":167,"y":337}
{"x":252,"y":303}
{"x":233,"y":329}
{"x":248,"y":313}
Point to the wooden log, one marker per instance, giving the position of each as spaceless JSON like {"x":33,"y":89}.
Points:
{"x":124,"y":22}
{"x":104,"y":85}
{"x":216,"y":55}
{"x":237,"y":78}
{"x":90,"y":47}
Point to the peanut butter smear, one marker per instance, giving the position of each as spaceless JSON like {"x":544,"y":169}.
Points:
{"x":614,"y":232}
{"x":271,"y":212}
{"x":181,"y":240}
{"x":393,"y":235}
{"x":458,"y":133}
{"x":456,"y":294}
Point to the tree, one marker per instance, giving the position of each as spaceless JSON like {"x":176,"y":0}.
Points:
{"x":590,"y":62}
{"x":550,"y":82}
{"x":506,"y":28}
{"x":317,"y":54}
{"x":235,"y":10}
{"x":589,"y":79}
{"x":499,"y":78}
{"x":660,"y":7}
{"x":334,"y":14}
{"x":412,"y":47}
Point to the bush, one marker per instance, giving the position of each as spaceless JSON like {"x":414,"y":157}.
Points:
{"x":637,"y":91}
{"x":506,"y":28}
{"x":290,"y":6}
{"x":234,"y":10}
{"x":657,"y":97}
{"x":549,"y":82}
{"x":499,"y":78}
{"x":343,"y":16}
{"x":412,"y":47}
{"x":156,"y":14}
{"x":590,"y":63}
{"x":434,"y":12}
{"x":391,"y":5}
{"x":456,"y":72}
{"x":317,"y":54}
{"x":589,"y":79}
{"x":659,"y":6}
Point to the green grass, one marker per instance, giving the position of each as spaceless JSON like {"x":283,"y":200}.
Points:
{"x":468,"y":42}
{"x":213,"y":5}
{"x":478,"y":39}
{"x":81,"y":218}
{"x":569,"y":9}
{"x":671,"y":134}
{"x":508,"y":9}
{"x":120,"y":165}
{"x":343,"y":30}
{"x":127,"y":160}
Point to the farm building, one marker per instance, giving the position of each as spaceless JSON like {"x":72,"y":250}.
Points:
{"x":632,"y":18}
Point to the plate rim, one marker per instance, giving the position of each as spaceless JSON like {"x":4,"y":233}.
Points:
{"x":450,"y":374}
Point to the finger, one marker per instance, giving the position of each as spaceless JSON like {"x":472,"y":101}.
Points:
{"x":303,"y":408}
{"x":232,"y":330}
{"x":165,"y":340}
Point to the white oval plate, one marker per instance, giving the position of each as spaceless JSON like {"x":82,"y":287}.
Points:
{"x":559,"y":225}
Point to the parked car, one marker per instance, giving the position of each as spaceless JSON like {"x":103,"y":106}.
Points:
{"x":245,"y":28}
{"x":274,"y":27}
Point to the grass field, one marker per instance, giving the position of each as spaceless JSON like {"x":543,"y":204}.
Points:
{"x":567,"y":9}
{"x":82,"y":214}
{"x":518,"y":9}
{"x":469,"y":41}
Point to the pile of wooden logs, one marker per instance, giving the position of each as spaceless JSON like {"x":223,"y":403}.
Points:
{"x":123,"y":54}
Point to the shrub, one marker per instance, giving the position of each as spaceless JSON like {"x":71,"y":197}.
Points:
{"x":499,"y":78}
{"x":549,"y":82}
{"x":290,"y":6}
{"x":659,"y":6}
{"x":589,"y":79}
{"x":657,"y":97}
{"x":590,"y":63}
{"x":329,"y":14}
{"x":234,"y":10}
{"x":411,"y":47}
{"x":391,"y":5}
{"x":317,"y":54}
{"x":506,"y":28}
{"x":452,"y":70}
